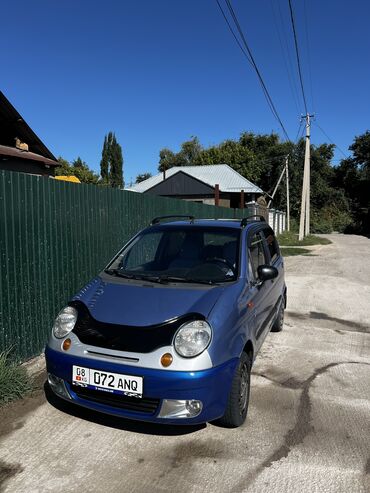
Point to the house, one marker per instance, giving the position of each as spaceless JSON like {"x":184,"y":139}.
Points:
{"x":20,"y":148}
{"x":216,"y":184}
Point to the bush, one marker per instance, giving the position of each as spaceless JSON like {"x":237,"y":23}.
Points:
{"x":14,"y":381}
{"x":330,"y":219}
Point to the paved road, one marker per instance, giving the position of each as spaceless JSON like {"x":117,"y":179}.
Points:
{"x":308,"y":429}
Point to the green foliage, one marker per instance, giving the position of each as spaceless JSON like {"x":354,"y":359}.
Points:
{"x":290,"y":238}
{"x":104,"y":163}
{"x":260,"y":159}
{"x":353,"y":176}
{"x":111,"y":164}
{"x":78,"y":168}
{"x":14,"y":381}
{"x":142,"y":177}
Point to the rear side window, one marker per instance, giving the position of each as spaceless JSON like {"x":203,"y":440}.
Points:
{"x":257,"y":255}
{"x":272,"y":244}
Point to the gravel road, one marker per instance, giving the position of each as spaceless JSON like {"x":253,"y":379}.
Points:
{"x":308,"y":428}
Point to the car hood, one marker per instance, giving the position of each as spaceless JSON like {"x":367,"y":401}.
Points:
{"x":143,"y":304}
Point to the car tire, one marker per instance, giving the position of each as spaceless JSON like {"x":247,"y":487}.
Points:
{"x":278,"y":324}
{"x":237,"y":405}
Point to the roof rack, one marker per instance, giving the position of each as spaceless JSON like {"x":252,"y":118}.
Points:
{"x":158,"y":219}
{"x":245,"y":220}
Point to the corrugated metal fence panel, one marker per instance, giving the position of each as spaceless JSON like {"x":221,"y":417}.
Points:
{"x":54,"y":237}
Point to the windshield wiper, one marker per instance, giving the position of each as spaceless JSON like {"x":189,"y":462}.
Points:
{"x":139,"y":277}
{"x":119,"y":273}
{"x":159,"y":279}
{"x":186,"y":279}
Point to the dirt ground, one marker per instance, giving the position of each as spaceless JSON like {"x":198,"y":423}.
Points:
{"x":308,"y":428}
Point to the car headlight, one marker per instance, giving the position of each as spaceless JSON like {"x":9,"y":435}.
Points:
{"x":192,"y":338}
{"x":65,"y":322}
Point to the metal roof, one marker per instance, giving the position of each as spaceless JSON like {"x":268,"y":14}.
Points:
{"x":6,"y":151}
{"x":226,"y":177}
{"x":13,"y":125}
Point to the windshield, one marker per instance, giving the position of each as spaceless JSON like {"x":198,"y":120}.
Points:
{"x":183,"y":254}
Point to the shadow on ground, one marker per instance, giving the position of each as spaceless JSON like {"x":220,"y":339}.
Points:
{"x":116,"y":422}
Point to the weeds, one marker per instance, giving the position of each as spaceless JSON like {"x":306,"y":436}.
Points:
{"x":289,"y":238}
{"x":290,"y":251}
{"x":14,"y":381}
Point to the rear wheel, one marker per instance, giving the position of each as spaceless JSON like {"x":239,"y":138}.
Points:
{"x":237,"y":405}
{"x":279,"y":321}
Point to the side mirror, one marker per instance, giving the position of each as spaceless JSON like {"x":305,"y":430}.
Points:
{"x":266,"y":272}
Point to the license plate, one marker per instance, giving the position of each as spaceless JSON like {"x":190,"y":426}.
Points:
{"x":109,"y":382}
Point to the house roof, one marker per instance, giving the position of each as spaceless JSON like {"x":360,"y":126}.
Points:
{"x":226,"y":177}
{"x":7,"y":152}
{"x":12,"y":125}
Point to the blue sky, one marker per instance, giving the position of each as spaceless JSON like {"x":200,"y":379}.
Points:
{"x":159,"y":72}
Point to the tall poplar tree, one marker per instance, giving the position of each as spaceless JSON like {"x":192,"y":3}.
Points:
{"x":111,"y":164}
{"x":116,"y":166}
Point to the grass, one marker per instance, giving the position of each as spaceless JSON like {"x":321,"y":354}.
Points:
{"x":14,"y":381}
{"x":289,"y":238}
{"x":290,"y":251}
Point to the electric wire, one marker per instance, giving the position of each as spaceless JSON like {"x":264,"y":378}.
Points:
{"x":267,"y":94}
{"x":297,"y":54}
{"x":232,"y":32}
{"x":248,"y":53}
{"x":286,"y":57}
{"x":290,"y":57}
{"x":299,"y":132}
{"x":331,"y":140}
{"x":308,"y":53}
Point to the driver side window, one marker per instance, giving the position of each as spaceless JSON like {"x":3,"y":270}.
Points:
{"x":256,"y":255}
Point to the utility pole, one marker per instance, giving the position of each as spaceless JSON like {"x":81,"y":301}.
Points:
{"x":287,"y":192}
{"x":304,"y":223}
{"x":276,"y":187}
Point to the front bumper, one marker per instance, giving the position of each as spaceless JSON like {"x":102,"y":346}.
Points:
{"x":211,"y":387}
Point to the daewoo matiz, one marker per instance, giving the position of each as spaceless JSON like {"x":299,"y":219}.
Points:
{"x":168,"y":332}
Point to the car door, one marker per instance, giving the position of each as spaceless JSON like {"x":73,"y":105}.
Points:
{"x":260,"y":291}
{"x":276,"y":260}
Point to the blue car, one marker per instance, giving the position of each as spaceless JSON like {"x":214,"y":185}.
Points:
{"x":168,"y":332}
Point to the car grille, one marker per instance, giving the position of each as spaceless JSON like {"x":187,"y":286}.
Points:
{"x":125,"y":337}
{"x":143,"y":405}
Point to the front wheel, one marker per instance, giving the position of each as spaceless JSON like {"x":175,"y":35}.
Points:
{"x":237,"y":405}
{"x":279,"y":321}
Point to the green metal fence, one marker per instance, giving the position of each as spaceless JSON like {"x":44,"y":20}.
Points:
{"x":55,"y":236}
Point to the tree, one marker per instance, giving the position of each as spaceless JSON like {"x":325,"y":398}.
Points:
{"x":111,"y":164}
{"x":353,"y":176}
{"x":104,"y":163}
{"x":79,"y":169}
{"x":261,"y":158}
{"x":142,"y":177}
{"x":116,"y":165}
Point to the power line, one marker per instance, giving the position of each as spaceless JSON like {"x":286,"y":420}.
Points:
{"x":286,"y":57}
{"x":299,"y":132}
{"x":268,"y":97}
{"x":297,"y":55}
{"x":233,"y":33}
{"x":308,"y":54}
{"x":327,"y":136}
{"x":248,"y":53}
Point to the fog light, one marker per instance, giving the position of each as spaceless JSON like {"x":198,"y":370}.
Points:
{"x":58,"y":386}
{"x":166,"y":360}
{"x":172,"y":408}
{"x":67,"y":344}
